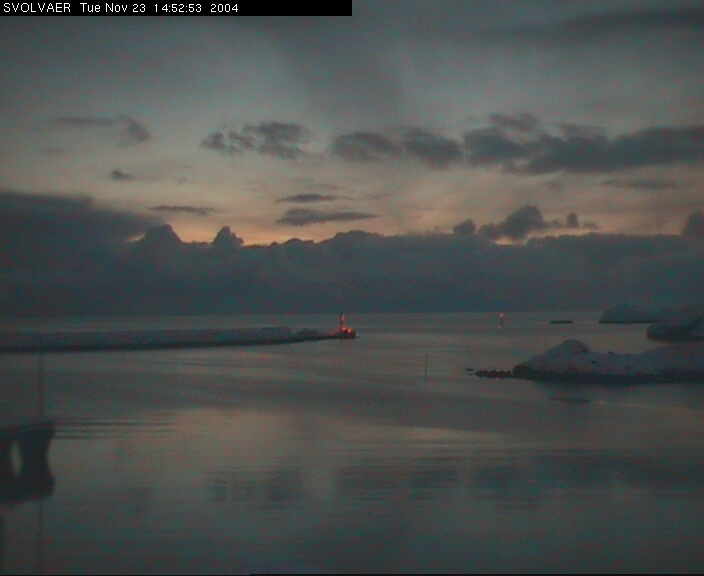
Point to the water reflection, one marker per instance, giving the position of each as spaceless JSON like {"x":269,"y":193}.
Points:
{"x":31,"y":478}
{"x":414,"y":479}
{"x":269,"y":488}
{"x":27,"y":479}
{"x":344,"y":459}
{"x":328,"y":492}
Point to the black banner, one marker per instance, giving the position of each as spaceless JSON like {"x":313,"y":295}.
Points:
{"x":224,"y":8}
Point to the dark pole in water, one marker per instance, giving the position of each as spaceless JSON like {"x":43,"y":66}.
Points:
{"x":40,"y":539}
{"x":40,"y":380}
{"x":426,"y":367}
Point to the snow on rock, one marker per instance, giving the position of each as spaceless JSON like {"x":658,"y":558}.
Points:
{"x":686,"y":325}
{"x":573,"y":359}
{"x":631,"y":314}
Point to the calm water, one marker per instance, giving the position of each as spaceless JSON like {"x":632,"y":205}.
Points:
{"x":342,"y":456}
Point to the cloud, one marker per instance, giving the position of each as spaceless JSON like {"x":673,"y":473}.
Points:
{"x":225,"y":240}
{"x":121,"y":176}
{"x":523,"y":122}
{"x":279,"y":139}
{"x":465,"y":228}
{"x":517,"y":143}
{"x":486,"y":146}
{"x":432,"y":149}
{"x":599,"y":26}
{"x":649,"y":147}
{"x":642,"y":183}
{"x":621,"y":22}
{"x":56,"y":229}
{"x":131,"y":131}
{"x":364,"y":147}
{"x":184,"y":209}
{"x":134,"y":131}
{"x":160,"y":238}
{"x":572,"y":130}
{"x":581,"y":149}
{"x":308,"y":198}
{"x":527,"y":220}
{"x":694,"y":227}
{"x":572,"y":220}
{"x":219,"y":142}
{"x":69,"y":256}
{"x":517,"y":225}
{"x":313,"y":185}
{"x":306,"y":216}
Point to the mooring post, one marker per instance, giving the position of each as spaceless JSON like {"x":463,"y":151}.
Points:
{"x":40,"y":383}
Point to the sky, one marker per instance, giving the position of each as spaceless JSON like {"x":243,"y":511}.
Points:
{"x":508,"y":121}
{"x":391,"y":121}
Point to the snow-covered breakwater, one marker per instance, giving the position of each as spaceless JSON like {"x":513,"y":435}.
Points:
{"x":574,"y":360}
{"x":151,"y":339}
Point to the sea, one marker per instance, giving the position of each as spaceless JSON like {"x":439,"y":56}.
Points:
{"x":380,"y":454}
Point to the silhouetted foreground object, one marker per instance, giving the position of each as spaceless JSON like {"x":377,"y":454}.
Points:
{"x":33,"y":479}
{"x":151,"y":339}
{"x":573,"y":361}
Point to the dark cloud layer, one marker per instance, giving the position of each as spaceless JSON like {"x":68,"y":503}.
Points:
{"x":528,"y":220}
{"x":518,"y":143}
{"x":121,"y":176}
{"x":306,"y":216}
{"x":134,"y":131}
{"x":66,"y":255}
{"x":313,"y":185}
{"x":226,"y":240}
{"x":184,"y":209}
{"x":694,"y":227}
{"x":308,"y":198}
{"x":523,"y":122}
{"x":41,"y":229}
{"x":590,"y":26}
{"x":356,"y":271}
{"x":517,"y":225}
{"x":219,"y":142}
{"x":586,"y":150}
{"x":364,"y":147}
{"x":487,"y":146}
{"x":131,"y":131}
{"x":465,"y":228}
{"x":432,"y":149}
{"x":642,"y":183}
{"x":278,"y":139}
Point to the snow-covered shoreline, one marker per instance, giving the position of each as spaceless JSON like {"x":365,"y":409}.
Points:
{"x":575,"y":361}
{"x":686,"y":326}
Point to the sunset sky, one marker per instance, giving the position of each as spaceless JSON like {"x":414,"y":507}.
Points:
{"x":395,"y":120}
